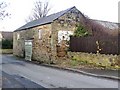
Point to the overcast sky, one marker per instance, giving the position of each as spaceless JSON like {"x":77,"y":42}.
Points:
{"x":106,"y":10}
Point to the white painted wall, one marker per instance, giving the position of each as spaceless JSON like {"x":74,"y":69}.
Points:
{"x":65,"y":34}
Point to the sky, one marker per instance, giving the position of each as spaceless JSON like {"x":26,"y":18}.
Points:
{"x":106,"y":10}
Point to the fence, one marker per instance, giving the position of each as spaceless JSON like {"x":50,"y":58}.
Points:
{"x":108,"y":45}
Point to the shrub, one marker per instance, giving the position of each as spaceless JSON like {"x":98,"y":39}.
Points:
{"x":7,"y":44}
{"x":81,"y":31}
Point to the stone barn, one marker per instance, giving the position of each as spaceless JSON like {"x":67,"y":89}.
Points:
{"x":39,"y":39}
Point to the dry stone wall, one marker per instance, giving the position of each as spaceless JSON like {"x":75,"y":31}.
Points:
{"x":102,"y":60}
{"x":41,"y":47}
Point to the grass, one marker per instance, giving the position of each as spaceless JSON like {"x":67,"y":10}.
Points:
{"x":6,"y":51}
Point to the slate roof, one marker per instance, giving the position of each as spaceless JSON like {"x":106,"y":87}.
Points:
{"x":44,"y":20}
{"x":110,"y":25}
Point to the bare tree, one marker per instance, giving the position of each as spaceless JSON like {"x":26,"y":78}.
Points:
{"x":3,"y":12}
{"x":40,"y":10}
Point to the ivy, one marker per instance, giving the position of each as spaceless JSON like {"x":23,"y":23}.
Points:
{"x":81,"y":31}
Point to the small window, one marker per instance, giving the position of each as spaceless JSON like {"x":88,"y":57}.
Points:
{"x":40,"y":34}
{"x":18,"y":36}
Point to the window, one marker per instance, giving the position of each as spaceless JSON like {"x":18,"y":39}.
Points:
{"x":18,"y":36}
{"x":40,"y":34}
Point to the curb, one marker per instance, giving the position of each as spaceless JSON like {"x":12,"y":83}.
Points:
{"x":82,"y":72}
{"x":75,"y":71}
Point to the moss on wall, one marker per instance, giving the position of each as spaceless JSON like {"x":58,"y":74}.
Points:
{"x":100,"y":60}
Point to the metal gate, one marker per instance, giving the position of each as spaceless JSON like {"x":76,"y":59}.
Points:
{"x":28,"y":49}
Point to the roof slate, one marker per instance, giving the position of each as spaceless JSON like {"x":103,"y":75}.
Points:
{"x":107,"y":24}
{"x":44,"y":20}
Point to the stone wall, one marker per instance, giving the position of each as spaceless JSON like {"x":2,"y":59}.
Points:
{"x":41,"y":47}
{"x":67,"y":22}
{"x":102,"y":60}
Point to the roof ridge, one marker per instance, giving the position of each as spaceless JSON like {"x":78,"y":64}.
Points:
{"x":104,"y":21}
{"x":55,"y":13}
{"x":63,"y":10}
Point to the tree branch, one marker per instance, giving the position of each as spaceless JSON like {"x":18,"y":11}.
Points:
{"x":40,"y":10}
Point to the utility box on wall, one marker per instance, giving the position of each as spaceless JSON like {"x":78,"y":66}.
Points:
{"x":28,"y":49}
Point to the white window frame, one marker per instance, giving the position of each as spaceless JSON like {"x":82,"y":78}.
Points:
{"x":18,"y":36}
{"x":40,"y":34}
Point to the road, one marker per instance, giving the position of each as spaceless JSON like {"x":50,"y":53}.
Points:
{"x":16,"y":81}
{"x":30,"y":75}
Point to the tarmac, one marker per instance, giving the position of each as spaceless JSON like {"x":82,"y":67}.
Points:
{"x":99,"y":73}
{"x":108,"y":74}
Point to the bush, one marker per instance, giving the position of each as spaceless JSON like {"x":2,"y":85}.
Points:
{"x":81,"y":31}
{"x":7,"y":44}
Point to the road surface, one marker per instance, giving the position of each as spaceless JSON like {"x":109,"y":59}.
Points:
{"x":40,"y":76}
